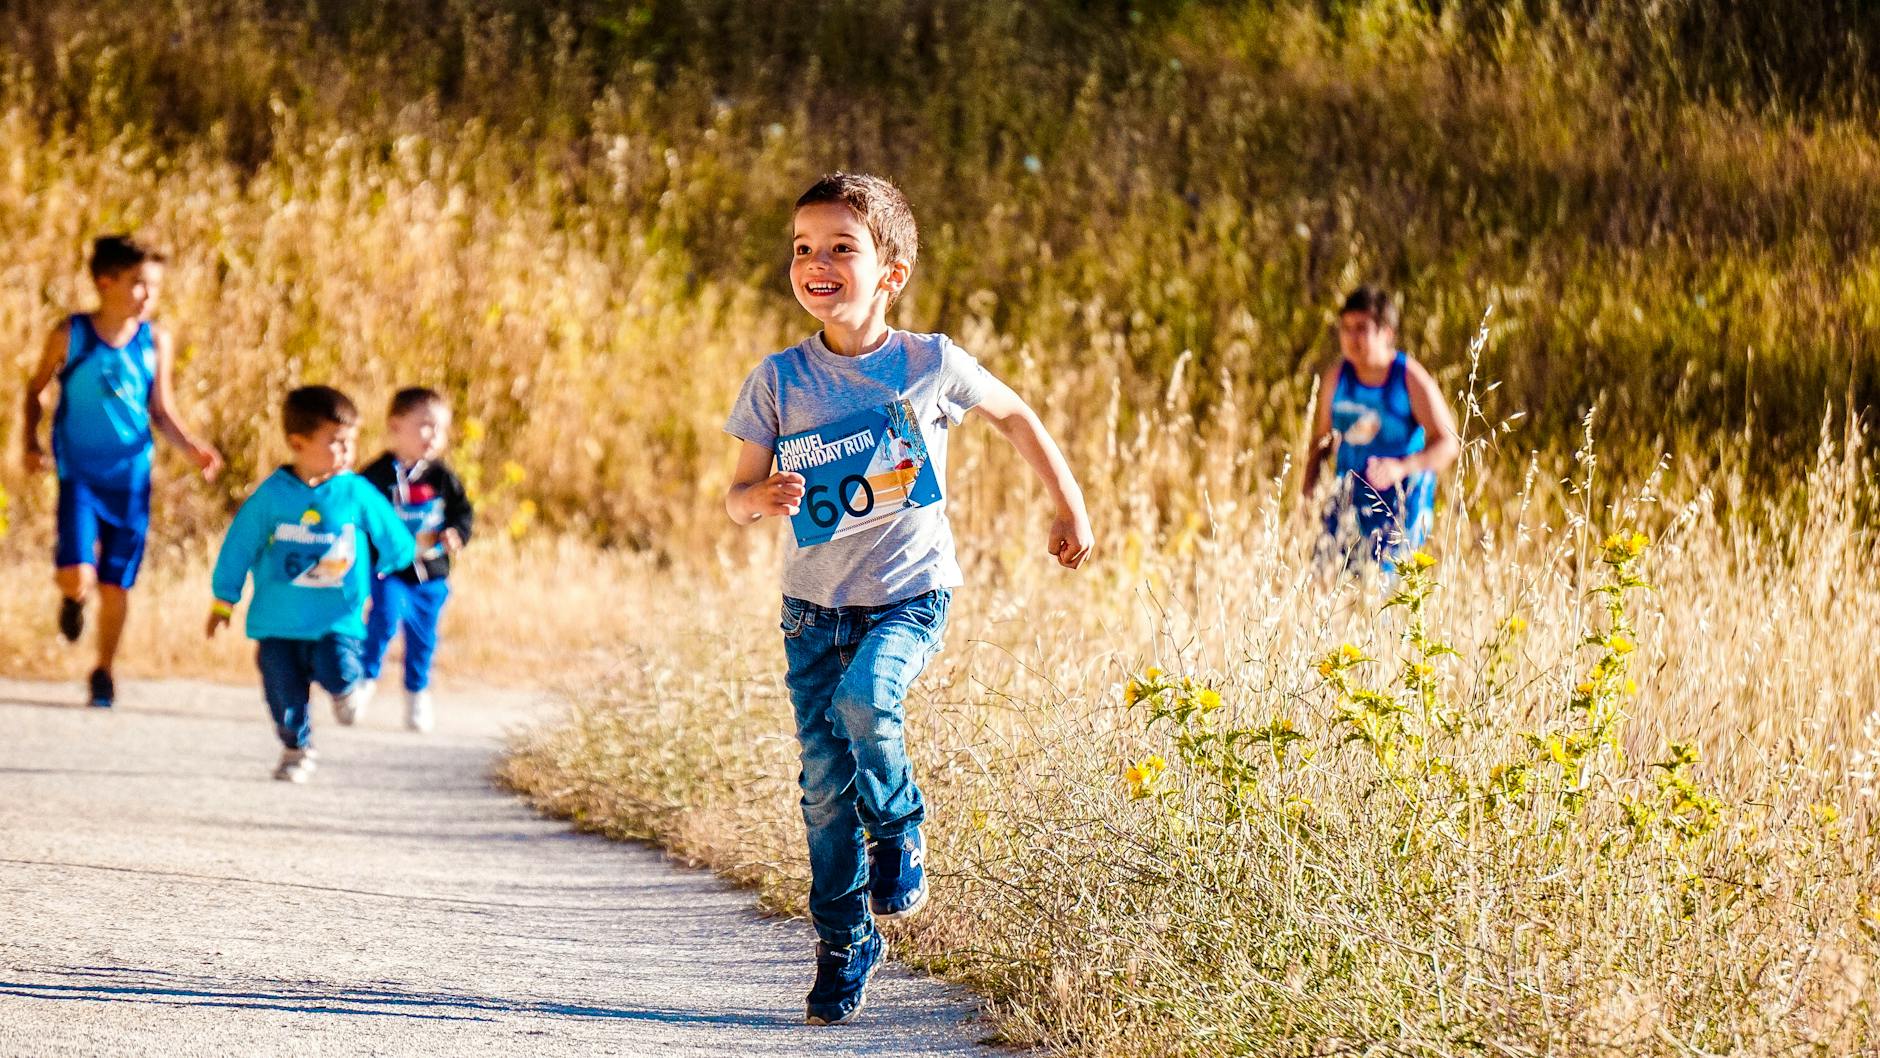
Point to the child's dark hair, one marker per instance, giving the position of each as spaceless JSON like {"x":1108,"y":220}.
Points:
{"x":311,"y":407}
{"x":1375,"y":302}
{"x":112,"y":254}
{"x":411,"y":398}
{"x":880,"y":205}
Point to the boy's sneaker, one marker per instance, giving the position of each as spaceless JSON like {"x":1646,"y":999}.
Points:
{"x":842,"y":978}
{"x":349,"y":707}
{"x":296,"y":765}
{"x":71,"y":619}
{"x":418,"y":713}
{"x":103,"y":689}
{"x":897,"y":875}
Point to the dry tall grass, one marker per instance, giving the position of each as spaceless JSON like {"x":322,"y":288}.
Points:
{"x":568,"y":216}
{"x":1518,"y":861}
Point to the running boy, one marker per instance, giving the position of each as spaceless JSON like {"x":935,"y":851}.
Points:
{"x":113,"y":367}
{"x":1390,"y":433}
{"x":866,"y":588}
{"x":299,"y":535}
{"x":432,"y":503}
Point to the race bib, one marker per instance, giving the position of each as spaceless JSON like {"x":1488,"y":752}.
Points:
{"x":424,"y":516}
{"x":864,"y":470}
{"x":312,"y":557}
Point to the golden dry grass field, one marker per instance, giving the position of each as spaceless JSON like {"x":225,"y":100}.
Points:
{"x":1201,"y":797}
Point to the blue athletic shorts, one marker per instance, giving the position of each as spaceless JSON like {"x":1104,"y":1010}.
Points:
{"x":103,"y":527}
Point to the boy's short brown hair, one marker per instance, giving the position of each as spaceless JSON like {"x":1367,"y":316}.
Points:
{"x":411,"y":398}
{"x":112,"y":254}
{"x":311,"y":407}
{"x":880,"y":205}
{"x":1375,"y":302}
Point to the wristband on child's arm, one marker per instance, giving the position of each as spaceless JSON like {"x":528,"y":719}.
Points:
{"x":222,"y":609}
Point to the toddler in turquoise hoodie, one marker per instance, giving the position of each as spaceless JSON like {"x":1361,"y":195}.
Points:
{"x":303,"y":536}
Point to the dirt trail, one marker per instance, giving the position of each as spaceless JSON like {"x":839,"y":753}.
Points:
{"x":161,"y":895}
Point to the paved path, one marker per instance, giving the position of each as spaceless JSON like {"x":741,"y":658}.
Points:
{"x":161,"y":895}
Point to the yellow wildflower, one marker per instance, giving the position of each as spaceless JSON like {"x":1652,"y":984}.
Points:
{"x":1423,"y":560}
{"x":1349,"y":654}
{"x":1152,"y":673}
{"x":1619,"y":644}
{"x":1517,"y":625}
{"x":1826,"y":815}
{"x":1326,"y":668}
{"x":1132,"y":693}
{"x":1624,"y":545}
{"x":1209,"y":700}
{"x":1631,"y":687}
{"x":1142,"y":775}
{"x":1585,"y":689}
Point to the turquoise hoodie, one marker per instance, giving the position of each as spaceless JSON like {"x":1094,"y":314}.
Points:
{"x":312,"y":571}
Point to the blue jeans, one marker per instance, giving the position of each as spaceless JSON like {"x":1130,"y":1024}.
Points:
{"x":850,"y":668}
{"x":415,"y":608}
{"x":290,"y":667}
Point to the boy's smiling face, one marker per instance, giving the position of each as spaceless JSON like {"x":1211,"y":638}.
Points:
{"x":836,"y":271}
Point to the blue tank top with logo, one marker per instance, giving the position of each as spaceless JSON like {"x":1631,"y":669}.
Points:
{"x":101,"y":430}
{"x":1377,"y":422}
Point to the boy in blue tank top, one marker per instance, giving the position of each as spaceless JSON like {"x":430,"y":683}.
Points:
{"x":303,"y":536}
{"x":1389,"y":432}
{"x":115,"y":394}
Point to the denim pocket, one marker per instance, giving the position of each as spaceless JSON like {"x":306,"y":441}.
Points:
{"x":930,"y":610}
{"x":795,"y":615}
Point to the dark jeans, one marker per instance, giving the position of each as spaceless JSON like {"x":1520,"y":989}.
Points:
{"x":850,"y":668}
{"x":290,"y":667}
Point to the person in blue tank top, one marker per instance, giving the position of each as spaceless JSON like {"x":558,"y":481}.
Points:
{"x":1389,"y":432}
{"x":113,"y":366}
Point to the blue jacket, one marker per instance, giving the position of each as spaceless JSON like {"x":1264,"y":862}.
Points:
{"x":312,"y":573}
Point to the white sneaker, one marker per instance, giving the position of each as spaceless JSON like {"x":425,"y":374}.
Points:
{"x":349,"y":707}
{"x":296,"y":765}
{"x":418,"y":716}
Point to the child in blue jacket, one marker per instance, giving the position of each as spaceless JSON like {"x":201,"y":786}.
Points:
{"x":299,"y":536}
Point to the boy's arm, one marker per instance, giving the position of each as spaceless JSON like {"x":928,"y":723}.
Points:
{"x":459,"y":513}
{"x":241,"y":549}
{"x":51,"y":360}
{"x":1070,"y":540}
{"x":1322,"y":439}
{"x":163,"y":411}
{"x":392,"y":544}
{"x":1441,"y":444}
{"x":755,"y":492}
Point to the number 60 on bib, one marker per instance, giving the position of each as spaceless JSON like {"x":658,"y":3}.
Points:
{"x":858,"y":472}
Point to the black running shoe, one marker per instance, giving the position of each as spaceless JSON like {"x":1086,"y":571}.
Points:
{"x":71,"y":619}
{"x":842,"y":979}
{"x":103,"y":691}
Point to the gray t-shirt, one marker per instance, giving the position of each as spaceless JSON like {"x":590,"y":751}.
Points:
{"x":807,"y":386}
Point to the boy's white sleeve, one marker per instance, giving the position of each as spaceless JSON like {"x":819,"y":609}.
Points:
{"x":755,"y":416}
{"x":964,"y":382}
